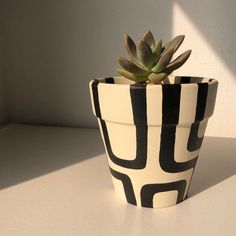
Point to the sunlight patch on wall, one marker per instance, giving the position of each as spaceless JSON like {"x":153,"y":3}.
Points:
{"x":205,"y":61}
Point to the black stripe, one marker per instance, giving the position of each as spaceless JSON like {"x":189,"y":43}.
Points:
{"x":170,"y":103}
{"x":109,"y":80}
{"x":139,"y":104}
{"x":148,"y":191}
{"x":138,"y":100}
{"x":96,"y":99}
{"x":141,"y":150}
{"x":167,"y":149}
{"x":127,"y":184}
{"x":201,"y":101}
{"x":185,"y":80}
{"x":195,"y":142}
{"x":170,"y":119}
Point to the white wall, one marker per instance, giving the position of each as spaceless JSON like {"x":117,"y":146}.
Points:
{"x":55,"y":47}
{"x":211,"y":33}
{"x":3,"y":102}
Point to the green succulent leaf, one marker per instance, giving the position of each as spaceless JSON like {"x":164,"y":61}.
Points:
{"x":163,"y":61}
{"x":130,"y":76}
{"x":178,"y":62}
{"x":174,"y":43}
{"x":157,"y":78}
{"x":157,"y":51}
{"x":137,"y":62}
{"x":130,"y":46}
{"x":149,"y":39}
{"x":132,"y":66}
{"x":144,"y":54}
{"x":150,"y":61}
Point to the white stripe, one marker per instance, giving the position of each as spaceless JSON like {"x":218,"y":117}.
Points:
{"x":115,"y":103}
{"x":181,"y":152}
{"x":123,"y":140}
{"x":154,"y":104}
{"x":163,"y":199}
{"x":188,"y":103}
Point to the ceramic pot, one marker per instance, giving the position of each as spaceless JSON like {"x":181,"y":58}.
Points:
{"x":152,"y":135}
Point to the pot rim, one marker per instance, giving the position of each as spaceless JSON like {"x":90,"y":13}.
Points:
{"x":183,"y":101}
{"x":188,"y":81}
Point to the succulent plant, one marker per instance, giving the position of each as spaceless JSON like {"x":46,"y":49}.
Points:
{"x":150,"y":61}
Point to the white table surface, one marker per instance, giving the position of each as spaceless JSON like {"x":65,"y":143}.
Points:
{"x":55,"y":181}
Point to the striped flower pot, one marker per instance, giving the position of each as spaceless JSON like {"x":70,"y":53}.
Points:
{"x":152,"y":135}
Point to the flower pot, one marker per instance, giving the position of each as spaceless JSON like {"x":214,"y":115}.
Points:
{"x":152,"y":135}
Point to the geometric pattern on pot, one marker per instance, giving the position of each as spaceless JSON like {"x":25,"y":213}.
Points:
{"x":169,"y":122}
{"x":138,"y":99}
{"x":149,"y":190}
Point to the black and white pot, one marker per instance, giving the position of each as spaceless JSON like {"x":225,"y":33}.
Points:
{"x":152,"y":135}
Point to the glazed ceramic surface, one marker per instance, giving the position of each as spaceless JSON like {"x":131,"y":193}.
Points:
{"x":152,"y":134}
